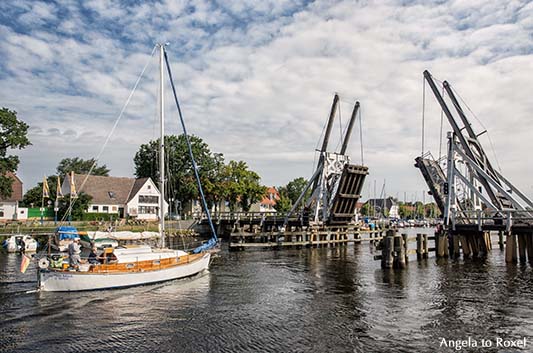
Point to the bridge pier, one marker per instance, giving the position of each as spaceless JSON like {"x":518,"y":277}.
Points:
{"x":510,"y":247}
{"x":522,"y":248}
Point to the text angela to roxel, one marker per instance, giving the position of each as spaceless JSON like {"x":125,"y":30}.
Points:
{"x":495,"y":342}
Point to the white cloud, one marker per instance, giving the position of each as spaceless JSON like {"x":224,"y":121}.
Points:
{"x":256,"y":79}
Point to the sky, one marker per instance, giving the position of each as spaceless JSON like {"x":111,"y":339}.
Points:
{"x":256,"y":80}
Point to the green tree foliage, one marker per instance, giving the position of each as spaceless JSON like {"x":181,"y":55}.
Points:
{"x":241,"y":186}
{"x":80,"y":166}
{"x":365,"y":210}
{"x":12,"y":136}
{"x":34,"y":198}
{"x":180,"y":177}
{"x":295,"y":187}
{"x":284,"y":204}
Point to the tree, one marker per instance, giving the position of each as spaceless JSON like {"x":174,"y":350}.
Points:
{"x":181,"y":181}
{"x":295,"y":189}
{"x":34,"y":198}
{"x":365,"y":210}
{"x":80,"y":166}
{"x":12,"y":136}
{"x":284,"y":204}
{"x":241,"y":185}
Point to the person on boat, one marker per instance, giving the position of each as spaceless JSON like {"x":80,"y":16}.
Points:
{"x":74,"y":251}
{"x":22,"y":245}
{"x":94,"y":258}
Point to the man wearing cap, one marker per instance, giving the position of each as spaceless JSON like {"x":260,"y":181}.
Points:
{"x":74,"y":251}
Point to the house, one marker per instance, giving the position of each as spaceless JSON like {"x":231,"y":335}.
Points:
{"x":379,"y":206}
{"x":9,"y":206}
{"x":268,"y":201}
{"x":125,"y":197}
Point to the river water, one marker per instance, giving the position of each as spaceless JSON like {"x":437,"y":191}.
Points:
{"x":308,"y":300}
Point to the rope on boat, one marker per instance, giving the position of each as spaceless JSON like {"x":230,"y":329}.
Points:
{"x":213,"y":241}
{"x":110,"y":133}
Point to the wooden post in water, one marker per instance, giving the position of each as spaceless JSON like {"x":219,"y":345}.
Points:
{"x":529,"y":246}
{"x":456,"y":246}
{"x":522,"y":247}
{"x":510,"y":247}
{"x":465,"y":246}
{"x":419,"y":247}
{"x":500,"y":239}
{"x":387,"y":259}
{"x":441,"y":244}
{"x":399,"y":252}
{"x":405,"y":248}
{"x":426,"y":247}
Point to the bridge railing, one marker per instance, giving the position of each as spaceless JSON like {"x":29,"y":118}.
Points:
{"x":504,"y":218}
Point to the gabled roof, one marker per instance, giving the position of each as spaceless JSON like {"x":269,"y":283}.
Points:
{"x":136,"y":187}
{"x":16,"y":195}
{"x":266,"y":200}
{"x":106,"y":189}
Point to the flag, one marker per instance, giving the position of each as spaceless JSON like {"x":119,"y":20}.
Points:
{"x":46,"y":190}
{"x":59,"y":193}
{"x":25,"y":263}
{"x":73,"y":193}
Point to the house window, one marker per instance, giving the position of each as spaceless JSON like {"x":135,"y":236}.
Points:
{"x":105,"y":208}
{"x":149,"y":187}
{"x":148,"y":199}
{"x":95,"y":208}
{"x":114,"y":208}
{"x":1,"y":213}
{"x":148,"y":209}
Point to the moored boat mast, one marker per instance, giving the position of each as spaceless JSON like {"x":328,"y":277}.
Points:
{"x":161,"y":147}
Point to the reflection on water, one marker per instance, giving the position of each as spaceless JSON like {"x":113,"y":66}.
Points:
{"x":309,"y":300}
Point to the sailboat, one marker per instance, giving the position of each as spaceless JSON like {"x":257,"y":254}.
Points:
{"x":134,"y":265}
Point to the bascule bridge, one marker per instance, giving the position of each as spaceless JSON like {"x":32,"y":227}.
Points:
{"x":473,"y":196}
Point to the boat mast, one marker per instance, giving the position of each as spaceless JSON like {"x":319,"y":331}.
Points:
{"x":161,"y":148}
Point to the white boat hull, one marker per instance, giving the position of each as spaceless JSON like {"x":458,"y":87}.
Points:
{"x":11,"y":245}
{"x":63,"y":281}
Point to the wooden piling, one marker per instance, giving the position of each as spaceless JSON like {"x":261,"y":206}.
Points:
{"x":405,"y":248}
{"x":456,"y":246}
{"x":529,"y":246}
{"x":399,"y":252}
{"x":522,"y":247}
{"x":510,"y":247}
{"x":419,"y":247}
{"x":465,"y":246}
{"x":387,"y":259}
{"x":500,"y":239}
{"x":441,"y":244}
{"x":426,"y":246}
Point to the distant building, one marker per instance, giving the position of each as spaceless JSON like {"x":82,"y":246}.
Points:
{"x":381,"y":206}
{"x":9,"y":207}
{"x":268,"y":202}
{"x":125,"y":197}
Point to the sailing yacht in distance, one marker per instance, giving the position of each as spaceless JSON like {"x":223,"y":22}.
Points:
{"x":133,"y":265}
